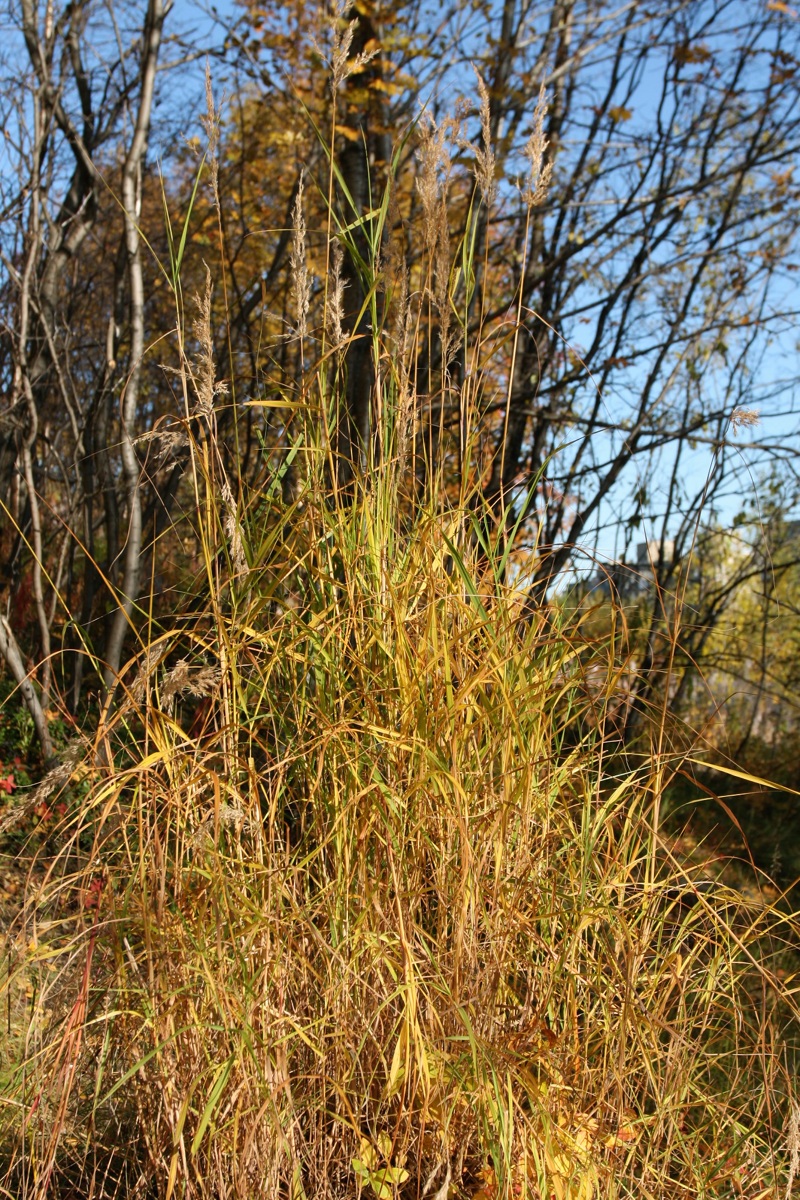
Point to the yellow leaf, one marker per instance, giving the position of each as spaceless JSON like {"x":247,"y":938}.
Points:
{"x":298,"y":1191}
{"x":385,"y":1145}
{"x":281,"y":403}
{"x":692,"y":54}
{"x":368,"y":1154}
{"x":173,"y":1174}
{"x":757,"y":779}
{"x":625,"y":1133}
{"x":385,"y":86}
{"x":397,"y":1070}
{"x":619,"y":113}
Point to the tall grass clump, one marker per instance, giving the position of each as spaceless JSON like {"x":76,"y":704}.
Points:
{"x":355,"y":892}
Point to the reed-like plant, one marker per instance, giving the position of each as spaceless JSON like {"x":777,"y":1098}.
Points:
{"x":355,"y":892}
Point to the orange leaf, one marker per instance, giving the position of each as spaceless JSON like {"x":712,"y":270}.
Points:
{"x":694,"y":54}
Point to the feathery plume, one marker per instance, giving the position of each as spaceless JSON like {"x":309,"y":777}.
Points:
{"x":203,"y":373}
{"x":233,"y":530}
{"x":210,"y":123}
{"x":55,"y":779}
{"x":435,"y":163}
{"x":744,"y":418}
{"x":484,"y":154}
{"x":335,"y":313}
{"x":539,"y":171}
{"x":182,"y":681}
{"x":340,"y":68}
{"x":297,"y":257}
{"x":793,"y":1146}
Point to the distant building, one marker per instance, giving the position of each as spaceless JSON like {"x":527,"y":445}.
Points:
{"x":649,"y":554}
{"x":714,"y":559}
{"x":781,"y":533}
{"x":628,"y":581}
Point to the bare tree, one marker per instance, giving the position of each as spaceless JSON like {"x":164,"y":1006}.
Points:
{"x":653,"y":276}
{"x":131,"y":200}
{"x":86,"y":98}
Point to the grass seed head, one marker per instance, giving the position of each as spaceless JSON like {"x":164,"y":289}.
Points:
{"x":484,"y":154}
{"x":301,"y":284}
{"x":539,"y":171}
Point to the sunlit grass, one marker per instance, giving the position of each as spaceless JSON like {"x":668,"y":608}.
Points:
{"x":376,"y":914}
{"x":362,"y":895}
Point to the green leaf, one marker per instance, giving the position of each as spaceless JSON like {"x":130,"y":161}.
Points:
{"x":182,"y":244}
{"x":217,"y":1088}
